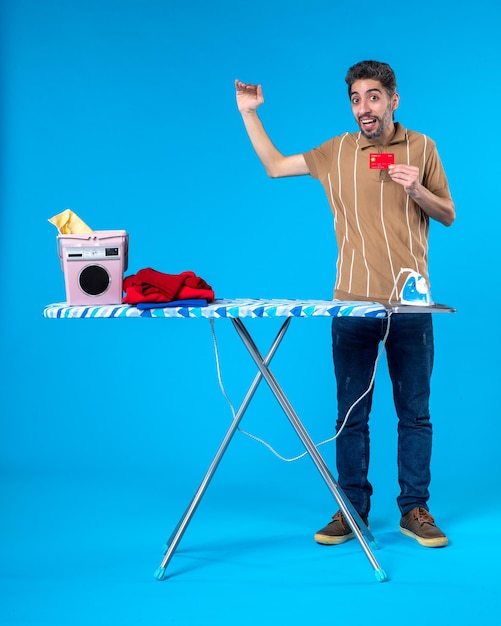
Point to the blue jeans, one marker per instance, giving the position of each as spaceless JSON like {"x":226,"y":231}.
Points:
{"x":409,"y":349}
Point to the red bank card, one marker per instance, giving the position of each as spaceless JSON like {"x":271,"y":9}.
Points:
{"x":381,"y":160}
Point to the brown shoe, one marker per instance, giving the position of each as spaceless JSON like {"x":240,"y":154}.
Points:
{"x":335,"y":532}
{"x":420,"y":525}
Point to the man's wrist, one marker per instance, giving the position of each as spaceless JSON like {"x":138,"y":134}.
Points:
{"x":248,"y":112}
{"x":414,"y":190}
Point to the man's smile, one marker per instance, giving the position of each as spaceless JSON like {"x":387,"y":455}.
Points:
{"x":368,"y":123}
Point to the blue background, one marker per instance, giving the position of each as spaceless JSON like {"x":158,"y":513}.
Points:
{"x":124,"y":111}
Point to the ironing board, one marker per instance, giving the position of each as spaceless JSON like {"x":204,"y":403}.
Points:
{"x":236,"y":310}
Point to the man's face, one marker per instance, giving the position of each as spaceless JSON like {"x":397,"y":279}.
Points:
{"x":373,"y":109}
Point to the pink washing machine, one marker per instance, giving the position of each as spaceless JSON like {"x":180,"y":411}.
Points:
{"x":94,"y":266}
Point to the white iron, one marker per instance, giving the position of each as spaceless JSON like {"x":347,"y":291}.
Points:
{"x":416,"y":290}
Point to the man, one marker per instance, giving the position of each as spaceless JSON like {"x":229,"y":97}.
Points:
{"x":381,"y":219}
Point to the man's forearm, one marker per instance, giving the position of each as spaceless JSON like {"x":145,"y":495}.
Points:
{"x":440,"y":209}
{"x":437,"y":207}
{"x":262,"y":144}
{"x":275,"y":163}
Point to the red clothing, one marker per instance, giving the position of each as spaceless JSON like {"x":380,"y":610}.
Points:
{"x":149,"y":285}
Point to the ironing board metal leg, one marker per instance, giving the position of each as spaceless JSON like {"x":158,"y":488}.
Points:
{"x":179,"y":530}
{"x":356,"y":524}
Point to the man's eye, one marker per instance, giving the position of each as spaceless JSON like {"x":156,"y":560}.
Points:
{"x":355,"y":101}
{"x":374,"y":98}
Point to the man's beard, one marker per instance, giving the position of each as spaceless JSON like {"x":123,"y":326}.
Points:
{"x":383,"y":124}
{"x":375,"y":134}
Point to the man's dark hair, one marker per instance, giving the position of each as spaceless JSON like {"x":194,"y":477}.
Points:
{"x":372,"y":70}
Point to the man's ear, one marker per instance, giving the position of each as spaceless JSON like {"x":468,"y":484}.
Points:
{"x":395,"y":100}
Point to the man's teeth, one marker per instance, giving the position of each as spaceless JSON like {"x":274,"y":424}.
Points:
{"x":369,"y":121}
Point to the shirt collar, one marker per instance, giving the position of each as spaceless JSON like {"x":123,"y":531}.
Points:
{"x":399,"y":136}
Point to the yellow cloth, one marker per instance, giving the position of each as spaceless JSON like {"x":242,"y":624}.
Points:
{"x":68,"y":223}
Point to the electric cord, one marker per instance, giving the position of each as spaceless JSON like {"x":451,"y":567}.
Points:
{"x":321,"y":443}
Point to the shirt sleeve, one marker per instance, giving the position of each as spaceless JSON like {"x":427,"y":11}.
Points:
{"x":434,"y":178}
{"x":319,"y":160}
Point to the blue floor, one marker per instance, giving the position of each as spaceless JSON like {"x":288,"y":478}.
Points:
{"x":83,"y":550}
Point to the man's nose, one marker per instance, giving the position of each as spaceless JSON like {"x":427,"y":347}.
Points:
{"x":363,"y":107}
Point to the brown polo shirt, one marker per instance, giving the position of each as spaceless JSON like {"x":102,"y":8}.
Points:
{"x":379,"y":228}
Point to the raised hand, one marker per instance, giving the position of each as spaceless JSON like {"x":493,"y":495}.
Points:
{"x":249,"y":97}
